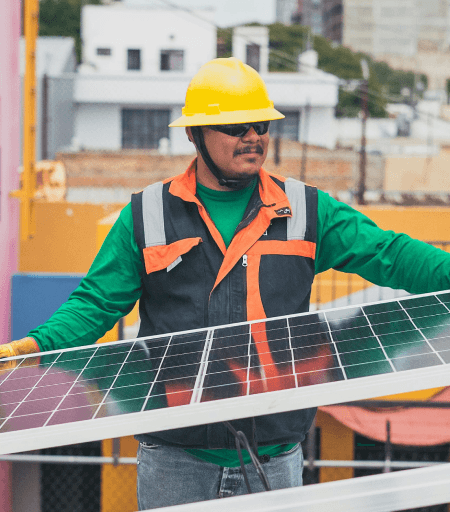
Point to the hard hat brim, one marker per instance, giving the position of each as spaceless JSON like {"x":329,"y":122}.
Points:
{"x":233,"y":117}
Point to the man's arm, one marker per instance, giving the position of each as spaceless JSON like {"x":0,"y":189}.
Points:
{"x":108,"y":292}
{"x":350,"y":242}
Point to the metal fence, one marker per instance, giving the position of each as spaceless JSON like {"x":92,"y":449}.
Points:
{"x":337,"y":289}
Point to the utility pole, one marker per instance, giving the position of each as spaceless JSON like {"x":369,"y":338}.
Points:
{"x":305,"y":142}
{"x":364,"y":115}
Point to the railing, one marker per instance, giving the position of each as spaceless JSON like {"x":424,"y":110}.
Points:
{"x":338,"y":289}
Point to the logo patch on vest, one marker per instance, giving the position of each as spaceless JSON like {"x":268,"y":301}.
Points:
{"x":283,"y":211}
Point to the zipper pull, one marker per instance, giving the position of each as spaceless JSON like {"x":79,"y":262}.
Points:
{"x":244,"y":260}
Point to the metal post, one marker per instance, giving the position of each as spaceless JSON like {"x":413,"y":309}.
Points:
{"x":44,"y":124}
{"x":388,"y":449}
{"x":305,"y":142}
{"x":277,"y":147}
{"x":116,"y":451}
{"x":365,"y":114}
{"x":311,"y":447}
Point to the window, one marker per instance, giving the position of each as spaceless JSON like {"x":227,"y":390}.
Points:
{"x":134,"y":60}
{"x":287,"y":128}
{"x":143,"y":129}
{"x":172,"y":60}
{"x":104,"y":51}
{"x":253,"y":56}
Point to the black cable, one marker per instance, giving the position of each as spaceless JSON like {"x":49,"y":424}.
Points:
{"x":242,"y":442}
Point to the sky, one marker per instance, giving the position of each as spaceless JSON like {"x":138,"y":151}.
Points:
{"x":235,"y":12}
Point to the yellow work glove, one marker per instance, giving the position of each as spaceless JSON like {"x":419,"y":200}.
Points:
{"x":19,"y":348}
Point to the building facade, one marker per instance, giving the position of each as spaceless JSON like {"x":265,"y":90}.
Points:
{"x":285,"y":10}
{"x":129,"y":89}
{"x":379,"y":27}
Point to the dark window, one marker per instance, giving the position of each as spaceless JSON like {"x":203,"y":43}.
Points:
{"x":143,"y":129}
{"x":104,"y":51}
{"x":172,"y":60}
{"x":134,"y":60}
{"x":253,"y":56}
{"x":287,"y":128}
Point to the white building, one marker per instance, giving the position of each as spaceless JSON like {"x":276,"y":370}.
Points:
{"x":138,"y":62}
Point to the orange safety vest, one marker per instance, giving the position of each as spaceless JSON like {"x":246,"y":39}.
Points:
{"x":191,"y":281}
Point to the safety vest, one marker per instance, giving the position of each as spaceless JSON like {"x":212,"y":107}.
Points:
{"x":191,"y":281}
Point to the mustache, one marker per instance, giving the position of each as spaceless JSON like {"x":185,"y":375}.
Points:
{"x":249,"y":149}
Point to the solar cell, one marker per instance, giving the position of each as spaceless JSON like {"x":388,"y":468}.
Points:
{"x":225,"y":372}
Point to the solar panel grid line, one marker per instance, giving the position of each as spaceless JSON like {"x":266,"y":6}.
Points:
{"x":70,"y":389}
{"x":113,"y":382}
{"x":27,"y":395}
{"x":198,"y":386}
{"x":292,"y":353}
{"x":378,"y":339}
{"x":424,"y":337}
{"x":249,"y":360}
{"x":156,"y":375}
{"x":335,"y":347}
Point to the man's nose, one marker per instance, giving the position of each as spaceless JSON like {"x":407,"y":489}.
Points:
{"x":251,"y":136}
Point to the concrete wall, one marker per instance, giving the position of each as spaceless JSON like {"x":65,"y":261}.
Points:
{"x":418,"y":173}
{"x":98,"y":126}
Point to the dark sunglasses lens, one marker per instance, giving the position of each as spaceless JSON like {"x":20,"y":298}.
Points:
{"x":239,"y":130}
{"x":261,"y":128}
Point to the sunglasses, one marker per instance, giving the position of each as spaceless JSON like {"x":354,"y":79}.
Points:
{"x":239,"y":130}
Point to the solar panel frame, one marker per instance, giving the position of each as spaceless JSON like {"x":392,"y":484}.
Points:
{"x":388,"y":492}
{"x":198,"y":412}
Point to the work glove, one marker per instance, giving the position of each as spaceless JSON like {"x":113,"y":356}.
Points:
{"x":18,"y":348}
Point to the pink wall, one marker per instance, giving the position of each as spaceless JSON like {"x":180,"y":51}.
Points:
{"x":9,"y":180}
{"x":9,"y":153}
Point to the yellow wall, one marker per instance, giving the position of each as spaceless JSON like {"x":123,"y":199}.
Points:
{"x":119,"y":483}
{"x":424,"y":223}
{"x":65,"y":238}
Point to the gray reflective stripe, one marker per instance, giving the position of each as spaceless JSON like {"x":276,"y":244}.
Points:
{"x":152,"y":211}
{"x":296,"y":225}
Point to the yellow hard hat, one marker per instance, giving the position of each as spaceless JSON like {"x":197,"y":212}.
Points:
{"x":226,"y":91}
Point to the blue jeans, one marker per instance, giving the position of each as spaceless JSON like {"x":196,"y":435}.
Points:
{"x":170,"y":476}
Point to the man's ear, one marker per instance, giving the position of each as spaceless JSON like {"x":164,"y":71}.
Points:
{"x":189,"y":134}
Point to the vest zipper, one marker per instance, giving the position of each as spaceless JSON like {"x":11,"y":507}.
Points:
{"x":244,"y":260}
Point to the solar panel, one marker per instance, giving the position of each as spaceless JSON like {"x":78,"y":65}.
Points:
{"x":222,"y":373}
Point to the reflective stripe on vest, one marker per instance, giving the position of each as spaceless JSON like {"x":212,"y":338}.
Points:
{"x":296,"y":225}
{"x":153,"y":215}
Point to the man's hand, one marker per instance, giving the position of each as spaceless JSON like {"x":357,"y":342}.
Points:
{"x":19,"y":348}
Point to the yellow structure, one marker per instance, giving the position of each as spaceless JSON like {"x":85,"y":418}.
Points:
{"x":26,"y":193}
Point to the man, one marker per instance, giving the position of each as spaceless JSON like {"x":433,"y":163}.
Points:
{"x":226,"y":242}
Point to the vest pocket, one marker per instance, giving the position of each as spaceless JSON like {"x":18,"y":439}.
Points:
{"x":159,"y":257}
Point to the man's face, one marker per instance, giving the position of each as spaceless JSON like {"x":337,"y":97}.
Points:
{"x":237,"y":157}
